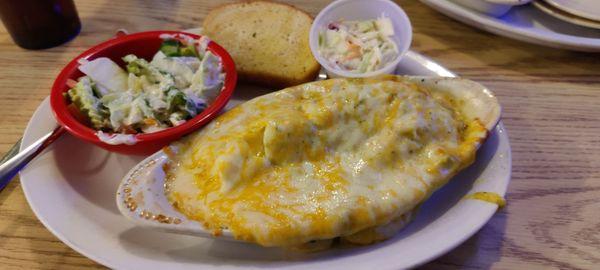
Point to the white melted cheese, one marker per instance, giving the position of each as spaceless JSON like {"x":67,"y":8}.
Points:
{"x":320,"y":160}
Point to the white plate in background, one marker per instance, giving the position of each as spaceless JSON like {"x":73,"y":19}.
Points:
{"x":564,"y":15}
{"x":589,"y":9}
{"x":71,"y":189}
{"x":525,"y":23}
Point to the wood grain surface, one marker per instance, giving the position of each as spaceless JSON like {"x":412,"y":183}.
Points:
{"x":551,"y":101}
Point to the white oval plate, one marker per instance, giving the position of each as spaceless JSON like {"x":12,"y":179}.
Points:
{"x":71,"y":189}
{"x":525,"y":23}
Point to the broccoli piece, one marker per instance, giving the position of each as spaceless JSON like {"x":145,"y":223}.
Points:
{"x":178,"y":102}
{"x":190,"y":50}
{"x":141,"y":67}
{"x":174,"y":48}
{"x":182,"y":106}
{"x":134,"y":68}
{"x":82,"y":95}
{"x":170,"y":47}
{"x":175,"y":100}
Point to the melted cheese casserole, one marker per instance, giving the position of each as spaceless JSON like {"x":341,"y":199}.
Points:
{"x":321,"y":160}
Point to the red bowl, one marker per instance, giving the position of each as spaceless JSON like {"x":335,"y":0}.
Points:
{"x":143,"y":45}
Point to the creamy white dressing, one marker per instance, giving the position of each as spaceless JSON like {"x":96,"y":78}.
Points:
{"x":116,"y":139}
{"x":187,"y":38}
{"x":203,"y":44}
{"x":182,"y":70}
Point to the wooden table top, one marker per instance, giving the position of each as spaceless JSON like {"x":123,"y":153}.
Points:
{"x":551,"y":101}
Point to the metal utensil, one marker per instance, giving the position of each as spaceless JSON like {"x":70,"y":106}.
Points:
{"x":14,"y":160}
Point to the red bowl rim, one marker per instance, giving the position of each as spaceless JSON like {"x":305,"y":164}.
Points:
{"x":64,"y":117}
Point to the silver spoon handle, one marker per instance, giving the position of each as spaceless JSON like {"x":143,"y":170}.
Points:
{"x":10,"y":167}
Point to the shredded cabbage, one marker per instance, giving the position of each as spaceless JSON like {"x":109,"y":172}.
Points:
{"x":358,"y":46}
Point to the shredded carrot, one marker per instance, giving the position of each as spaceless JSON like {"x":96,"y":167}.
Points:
{"x":71,"y":83}
{"x":128,"y":130}
{"x":353,"y":51}
{"x":150,"y":122}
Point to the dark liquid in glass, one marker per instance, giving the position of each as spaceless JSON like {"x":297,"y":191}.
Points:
{"x":40,"y":24}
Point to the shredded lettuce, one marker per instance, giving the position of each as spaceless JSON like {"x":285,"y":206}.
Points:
{"x":82,"y":95}
{"x":148,"y":96}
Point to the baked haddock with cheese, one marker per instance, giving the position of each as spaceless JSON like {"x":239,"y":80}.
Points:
{"x":349,"y":158}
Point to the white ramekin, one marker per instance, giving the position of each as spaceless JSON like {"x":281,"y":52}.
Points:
{"x":351,"y":10}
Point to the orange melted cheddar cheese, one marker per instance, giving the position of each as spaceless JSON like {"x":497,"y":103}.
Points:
{"x":321,"y":160}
